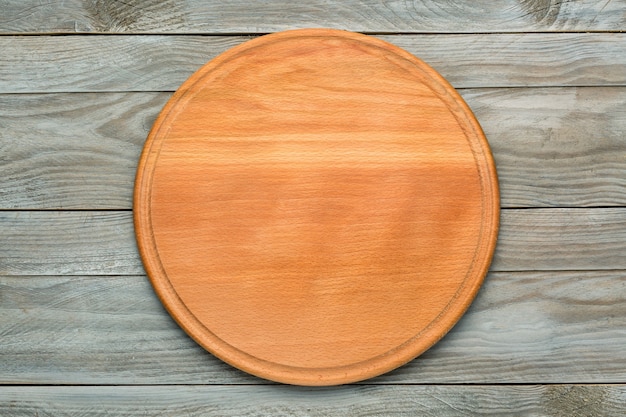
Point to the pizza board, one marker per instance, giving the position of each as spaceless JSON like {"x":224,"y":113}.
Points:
{"x":316,"y":207}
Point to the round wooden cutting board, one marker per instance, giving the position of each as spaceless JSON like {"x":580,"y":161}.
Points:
{"x":316,"y":207}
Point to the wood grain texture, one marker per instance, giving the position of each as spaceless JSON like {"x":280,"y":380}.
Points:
{"x":525,"y":327}
{"x":351,"y":401}
{"x":557,"y":239}
{"x":103,"y":243}
{"x":556,"y":147}
{"x":553,"y":146}
{"x":297,"y":196}
{"x":103,"y":63}
{"x":34,"y":64}
{"x":68,"y":243}
{"x":238,"y":16}
{"x":67,"y":151}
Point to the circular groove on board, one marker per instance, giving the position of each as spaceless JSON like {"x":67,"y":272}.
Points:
{"x":316,"y":207}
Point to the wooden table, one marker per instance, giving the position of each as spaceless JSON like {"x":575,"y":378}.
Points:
{"x":81,"y":328}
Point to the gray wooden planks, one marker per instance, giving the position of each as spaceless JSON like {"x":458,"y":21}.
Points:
{"x":103,"y":63}
{"x":68,"y":242}
{"x":351,"y":401}
{"x":32,"y":64}
{"x":103,"y":242}
{"x":73,"y":151}
{"x":238,"y":16}
{"x":524,"y":327}
{"x":553,"y":146}
{"x":556,"y":147}
{"x":97,"y":330}
{"x":561,"y":239}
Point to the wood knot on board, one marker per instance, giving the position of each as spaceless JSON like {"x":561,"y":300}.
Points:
{"x":134,"y":15}
{"x":574,"y":401}
{"x":544,"y":12}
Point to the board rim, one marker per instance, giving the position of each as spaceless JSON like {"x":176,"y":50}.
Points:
{"x":372,"y":367}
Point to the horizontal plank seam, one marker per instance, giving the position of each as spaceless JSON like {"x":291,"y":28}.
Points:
{"x":475,"y":88}
{"x":145,"y":277}
{"x":499,"y":271}
{"x":562,"y":207}
{"x":142,"y":276}
{"x":372,"y":33}
{"x":125,"y":210}
{"x":381,"y":384}
{"x":32,"y":93}
{"x":87,"y":274}
{"x":61,"y":210}
{"x":528,"y":271}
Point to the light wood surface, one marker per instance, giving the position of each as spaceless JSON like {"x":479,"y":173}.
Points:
{"x":162,"y":63}
{"x":93,"y":141}
{"x":78,"y":311}
{"x":316,"y":207}
{"x":102,"y":242}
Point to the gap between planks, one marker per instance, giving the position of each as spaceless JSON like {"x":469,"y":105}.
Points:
{"x":77,"y":330}
{"x":163,"y":62}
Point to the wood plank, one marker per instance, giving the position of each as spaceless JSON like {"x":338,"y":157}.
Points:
{"x":549,"y":327}
{"x":188,"y":401}
{"x":556,"y":147}
{"x":33,"y":64}
{"x":238,"y":16}
{"x":553,"y":146}
{"x":73,"y":151}
{"x":68,"y":243}
{"x":104,"y":63}
{"x":561,"y":239}
{"x":103,"y":242}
